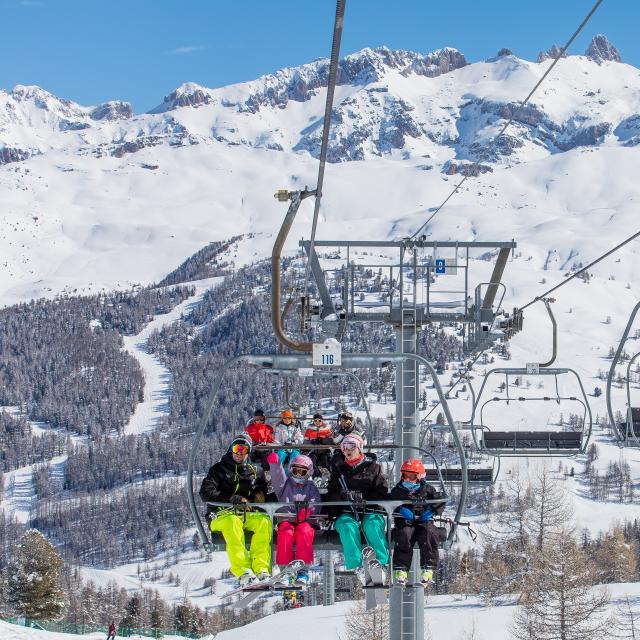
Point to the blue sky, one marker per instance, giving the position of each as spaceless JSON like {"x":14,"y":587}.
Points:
{"x":140,"y":50}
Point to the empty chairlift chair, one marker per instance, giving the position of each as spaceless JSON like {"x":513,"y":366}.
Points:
{"x":533,"y":442}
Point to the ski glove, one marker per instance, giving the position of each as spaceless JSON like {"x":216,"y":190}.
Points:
{"x":426,"y":516}
{"x":273,"y":458}
{"x":356,"y":496}
{"x":406,"y":513}
{"x":236,"y":499}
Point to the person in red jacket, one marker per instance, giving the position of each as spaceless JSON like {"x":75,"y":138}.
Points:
{"x":260,"y":433}
{"x":112,"y":630}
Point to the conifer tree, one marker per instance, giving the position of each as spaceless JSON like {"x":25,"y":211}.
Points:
{"x":35,"y":587}
{"x":558,"y":602}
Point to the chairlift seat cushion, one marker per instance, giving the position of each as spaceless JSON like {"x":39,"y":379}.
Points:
{"x":546,"y":440}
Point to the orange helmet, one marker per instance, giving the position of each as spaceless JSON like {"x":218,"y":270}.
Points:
{"x":287,"y":414}
{"x":413,"y":465}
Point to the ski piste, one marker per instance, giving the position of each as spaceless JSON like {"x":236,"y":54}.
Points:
{"x":375,"y":591}
{"x":255,"y":589}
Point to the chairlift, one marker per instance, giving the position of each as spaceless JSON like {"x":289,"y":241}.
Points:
{"x":626,"y":432}
{"x":531,"y":442}
{"x":292,"y":364}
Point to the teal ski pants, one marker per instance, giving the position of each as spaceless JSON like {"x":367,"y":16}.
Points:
{"x":373,"y":527}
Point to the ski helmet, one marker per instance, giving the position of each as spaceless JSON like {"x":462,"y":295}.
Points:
{"x":413,"y":465}
{"x":258,"y":413}
{"x":241,"y":440}
{"x":353,"y":440}
{"x":301,"y":462}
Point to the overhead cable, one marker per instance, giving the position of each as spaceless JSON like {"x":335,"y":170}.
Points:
{"x":518,"y":111}
{"x":331,"y":85}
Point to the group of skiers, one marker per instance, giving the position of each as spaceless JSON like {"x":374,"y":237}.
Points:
{"x":290,"y":475}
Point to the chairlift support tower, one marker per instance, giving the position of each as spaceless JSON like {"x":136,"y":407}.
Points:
{"x":409,"y":314}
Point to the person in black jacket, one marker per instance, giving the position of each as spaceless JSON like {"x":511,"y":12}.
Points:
{"x":236,"y":480}
{"x":414,"y":522}
{"x":364,"y":480}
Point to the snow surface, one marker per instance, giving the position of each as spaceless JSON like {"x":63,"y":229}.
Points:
{"x":157,"y":378}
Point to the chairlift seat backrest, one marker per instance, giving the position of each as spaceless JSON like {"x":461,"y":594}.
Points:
{"x":512,"y":440}
{"x":474,"y":475}
{"x":635,"y":414}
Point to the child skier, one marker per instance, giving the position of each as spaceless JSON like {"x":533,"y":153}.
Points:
{"x":236,"y":480}
{"x":414,"y":522}
{"x":361,"y":475}
{"x":288,"y":431}
{"x":296,"y":528}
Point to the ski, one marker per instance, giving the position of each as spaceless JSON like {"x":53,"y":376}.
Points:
{"x":375,"y":591}
{"x":254,"y":590}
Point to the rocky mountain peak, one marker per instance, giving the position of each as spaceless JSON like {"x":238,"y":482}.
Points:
{"x":189,"y":94}
{"x":112,"y":110}
{"x":551,"y":54}
{"x":601,"y":50}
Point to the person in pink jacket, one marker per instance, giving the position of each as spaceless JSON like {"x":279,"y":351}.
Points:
{"x":295,"y":530}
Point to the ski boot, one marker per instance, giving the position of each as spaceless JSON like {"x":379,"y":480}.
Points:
{"x":400,"y":577}
{"x":302,"y":579}
{"x":247,"y":578}
{"x":427,"y":577}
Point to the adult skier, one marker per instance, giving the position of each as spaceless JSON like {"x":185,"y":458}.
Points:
{"x":235,"y":479}
{"x":358,"y":477}
{"x":414,"y":522}
{"x":318,"y":432}
{"x":346,"y":426}
{"x":112,"y":630}
{"x":295,"y":530}
{"x":260,"y":432}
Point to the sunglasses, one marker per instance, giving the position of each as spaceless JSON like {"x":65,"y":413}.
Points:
{"x":317,"y":419}
{"x":412,"y":476}
{"x":300,"y":472}
{"x":241,"y":449}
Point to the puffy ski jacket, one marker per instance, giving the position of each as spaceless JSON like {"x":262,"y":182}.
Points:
{"x":318,"y":435}
{"x":287,"y":489}
{"x":260,"y":432}
{"x":288,"y":434}
{"x":227,"y":478}
{"x":366,"y":477}
{"x":416,"y":498}
{"x":340,"y":434}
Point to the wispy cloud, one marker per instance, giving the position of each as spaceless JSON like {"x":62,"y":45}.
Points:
{"x":181,"y":51}
{"x":31,"y":3}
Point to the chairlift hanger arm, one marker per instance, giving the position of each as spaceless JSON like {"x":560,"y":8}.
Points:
{"x":612,"y":369}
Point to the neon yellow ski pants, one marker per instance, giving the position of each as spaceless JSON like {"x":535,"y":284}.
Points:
{"x":232,"y":527}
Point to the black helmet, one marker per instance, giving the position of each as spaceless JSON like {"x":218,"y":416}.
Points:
{"x":246,"y":440}
{"x":258,"y":413}
{"x":318,"y":416}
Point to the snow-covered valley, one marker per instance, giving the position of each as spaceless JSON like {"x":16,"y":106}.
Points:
{"x":93,"y":204}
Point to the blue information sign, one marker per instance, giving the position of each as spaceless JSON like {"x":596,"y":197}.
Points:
{"x":440,"y":265}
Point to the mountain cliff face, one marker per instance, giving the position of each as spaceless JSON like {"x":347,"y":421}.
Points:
{"x":388,"y":103}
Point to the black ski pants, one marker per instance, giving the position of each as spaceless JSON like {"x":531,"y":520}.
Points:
{"x":406,"y":536}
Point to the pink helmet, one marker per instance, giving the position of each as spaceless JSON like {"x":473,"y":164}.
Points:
{"x":304,"y":462}
{"x":353,"y":440}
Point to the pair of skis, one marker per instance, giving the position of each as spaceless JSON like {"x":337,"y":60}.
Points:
{"x":374,"y":589}
{"x":254,"y":590}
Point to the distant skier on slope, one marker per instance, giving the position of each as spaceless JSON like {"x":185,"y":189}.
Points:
{"x":362,"y":477}
{"x":296,"y":529}
{"x":414,"y":522}
{"x":112,"y":630}
{"x":236,"y":480}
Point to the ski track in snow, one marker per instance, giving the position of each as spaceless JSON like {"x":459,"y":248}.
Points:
{"x":157,"y":377}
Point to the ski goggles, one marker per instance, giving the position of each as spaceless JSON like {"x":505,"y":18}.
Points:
{"x":412,"y":476}
{"x":240,"y":449}
{"x":299,"y":472}
{"x":349,"y":447}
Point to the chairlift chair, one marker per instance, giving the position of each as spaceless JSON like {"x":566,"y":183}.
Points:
{"x":626,"y":432}
{"x":514,"y":443}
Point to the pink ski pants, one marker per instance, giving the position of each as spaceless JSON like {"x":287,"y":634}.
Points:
{"x":301,"y":535}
